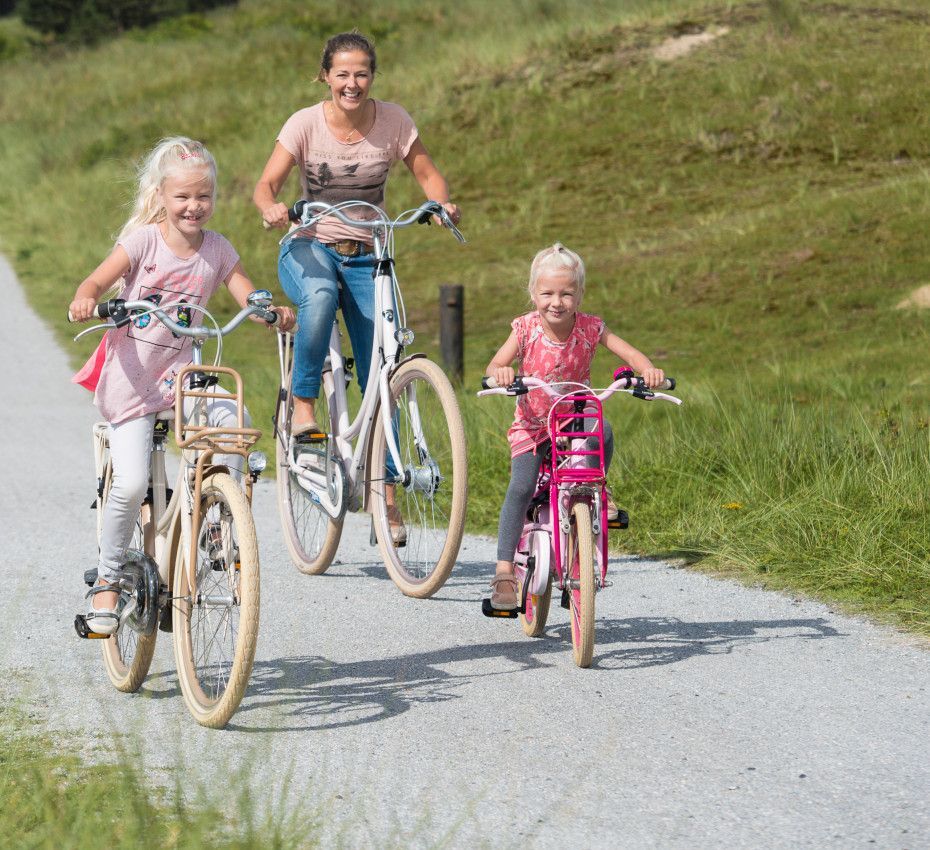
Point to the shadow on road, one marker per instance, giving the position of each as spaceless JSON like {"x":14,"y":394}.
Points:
{"x":312,"y":692}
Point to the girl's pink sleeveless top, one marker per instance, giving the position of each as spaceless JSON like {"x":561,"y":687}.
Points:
{"x":551,"y":361}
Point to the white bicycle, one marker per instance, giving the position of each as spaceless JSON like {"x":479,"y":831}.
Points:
{"x":407,"y":433}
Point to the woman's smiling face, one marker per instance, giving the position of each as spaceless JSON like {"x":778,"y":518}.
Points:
{"x":349,"y":79}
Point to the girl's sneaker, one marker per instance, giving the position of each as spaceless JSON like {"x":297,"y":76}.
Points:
{"x":504,"y":592}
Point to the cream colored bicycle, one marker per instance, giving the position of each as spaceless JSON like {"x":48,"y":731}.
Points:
{"x":192,"y":567}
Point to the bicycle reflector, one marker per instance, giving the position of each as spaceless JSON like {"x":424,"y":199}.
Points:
{"x":404,"y":336}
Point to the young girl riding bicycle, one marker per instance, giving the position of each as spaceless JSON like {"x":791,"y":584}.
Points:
{"x":555,"y":343}
{"x":163,"y":255}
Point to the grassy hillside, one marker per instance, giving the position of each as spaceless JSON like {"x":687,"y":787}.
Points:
{"x":751,"y":214}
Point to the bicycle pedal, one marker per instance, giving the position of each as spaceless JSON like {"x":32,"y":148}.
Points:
{"x":566,"y":601}
{"x":90,"y":577}
{"x":488,"y":611}
{"x":308,"y":438}
{"x":80,"y":626}
{"x":622,"y":520}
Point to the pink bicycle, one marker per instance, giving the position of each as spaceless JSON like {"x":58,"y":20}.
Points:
{"x":568,"y":546}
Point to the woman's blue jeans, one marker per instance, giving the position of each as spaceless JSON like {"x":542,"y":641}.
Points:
{"x":310,"y":274}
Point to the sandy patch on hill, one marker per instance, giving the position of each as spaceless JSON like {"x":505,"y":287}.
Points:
{"x":919,"y":299}
{"x":674,"y":48}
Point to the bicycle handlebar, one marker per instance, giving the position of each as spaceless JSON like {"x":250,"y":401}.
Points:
{"x":122,"y":312}
{"x":310,"y":212}
{"x":635,"y":386}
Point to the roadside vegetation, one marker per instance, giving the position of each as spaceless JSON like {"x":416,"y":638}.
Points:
{"x":53,"y":800}
{"x":753,"y":215}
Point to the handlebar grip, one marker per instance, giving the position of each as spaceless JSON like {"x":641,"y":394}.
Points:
{"x":669,"y":384}
{"x":114,"y":308}
{"x":488,"y":383}
{"x":435,"y":208}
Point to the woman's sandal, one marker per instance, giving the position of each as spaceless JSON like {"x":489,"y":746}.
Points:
{"x":102,"y":621}
{"x":396,"y":522}
{"x":504,"y":600}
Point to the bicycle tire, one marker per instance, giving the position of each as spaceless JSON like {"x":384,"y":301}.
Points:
{"x":581,"y":565}
{"x":310,"y":534}
{"x":215,"y":633}
{"x":536,"y":612}
{"x":433,"y":509}
{"x":127,"y":655}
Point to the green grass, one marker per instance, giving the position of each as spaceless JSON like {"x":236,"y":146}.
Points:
{"x":52,"y":800}
{"x":750,"y":214}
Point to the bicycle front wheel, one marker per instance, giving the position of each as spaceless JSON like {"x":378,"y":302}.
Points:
{"x":312,"y":536}
{"x":431,"y":500}
{"x":580,"y":561}
{"x":216,"y":627}
{"x":127,"y":655}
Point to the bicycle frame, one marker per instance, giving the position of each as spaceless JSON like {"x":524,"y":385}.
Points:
{"x":197,"y":442}
{"x":574,"y":471}
{"x":390,"y":338}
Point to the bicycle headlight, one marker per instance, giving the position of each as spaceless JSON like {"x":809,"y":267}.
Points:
{"x":404,"y":336}
{"x":257,"y":462}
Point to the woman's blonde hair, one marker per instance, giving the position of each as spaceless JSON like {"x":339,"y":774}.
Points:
{"x":170,"y":156}
{"x":557,"y":258}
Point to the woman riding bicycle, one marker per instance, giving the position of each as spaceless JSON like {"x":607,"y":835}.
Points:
{"x":344,"y":147}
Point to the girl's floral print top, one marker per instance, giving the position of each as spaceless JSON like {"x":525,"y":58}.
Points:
{"x":551,"y":361}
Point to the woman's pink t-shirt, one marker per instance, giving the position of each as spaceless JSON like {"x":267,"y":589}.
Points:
{"x":332,"y":170}
{"x":142,"y":358}
{"x":553,"y":362}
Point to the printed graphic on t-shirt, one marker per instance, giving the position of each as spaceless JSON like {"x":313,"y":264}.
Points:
{"x":152,"y":332}
{"x":333,"y":182}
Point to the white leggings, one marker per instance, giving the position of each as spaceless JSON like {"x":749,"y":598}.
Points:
{"x":130,"y":450}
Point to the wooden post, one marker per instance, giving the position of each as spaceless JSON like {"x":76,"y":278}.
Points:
{"x":451,"y":328}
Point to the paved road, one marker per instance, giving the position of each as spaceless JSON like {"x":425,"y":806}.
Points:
{"x":714,"y":715}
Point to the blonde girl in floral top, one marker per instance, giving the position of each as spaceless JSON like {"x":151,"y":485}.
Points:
{"x":554,"y":342}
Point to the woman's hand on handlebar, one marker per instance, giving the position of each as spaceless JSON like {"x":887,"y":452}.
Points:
{"x":454,"y":213}
{"x":276,"y":215}
{"x":82,"y":310}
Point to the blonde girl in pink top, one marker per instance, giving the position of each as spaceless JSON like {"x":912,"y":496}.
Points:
{"x":554,"y":342}
{"x":162,"y":254}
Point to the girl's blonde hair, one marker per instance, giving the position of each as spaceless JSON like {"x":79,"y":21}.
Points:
{"x":170,"y":156}
{"x":557,"y":258}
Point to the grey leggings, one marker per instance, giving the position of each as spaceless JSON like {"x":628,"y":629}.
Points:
{"x":524,"y":472}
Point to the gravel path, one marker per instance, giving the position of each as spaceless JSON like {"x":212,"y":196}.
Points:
{"x":715,"y":715}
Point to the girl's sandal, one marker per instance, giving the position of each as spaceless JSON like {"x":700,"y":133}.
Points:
{"x":504,"y":598}
{"x":102,"y":621}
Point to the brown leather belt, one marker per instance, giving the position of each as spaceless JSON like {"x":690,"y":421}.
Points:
{"x":348,"y":247}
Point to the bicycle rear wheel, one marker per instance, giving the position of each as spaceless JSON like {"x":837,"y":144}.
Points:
{"x":431,"y":440}
{"x":581,"y":565}
{"x":312,"y":536}
{"x":215,"y":631}
{"x":536,"y":612}
{"x":127,"y":655}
